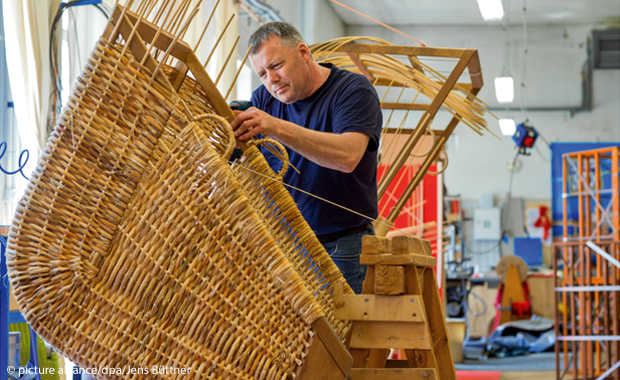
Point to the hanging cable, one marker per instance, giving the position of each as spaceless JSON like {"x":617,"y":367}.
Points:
{"x":56,"y":103}
{"x":20,"y":165}
{"x":524,"y":66}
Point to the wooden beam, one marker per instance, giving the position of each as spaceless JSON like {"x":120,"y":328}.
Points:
{"x":372,"y":307}
{"x":475,"y":72}
{"x":147,"y":32}
{"x":438,"y":328}
{"x":403,"y":50}
{"x":385,"y":335}
{"x":355,"y":59}
{"x":385,"y":82}
{"x":389,"y":259}
{"x":415,"y":64}
{"x":178,"y":75}
{"x":319,"y":364}
{"x":404,"y":106}
{"x":403,"y":131}
{"x":330,"y":340}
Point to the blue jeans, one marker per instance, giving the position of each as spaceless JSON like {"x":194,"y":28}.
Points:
{"x":346,"y":253}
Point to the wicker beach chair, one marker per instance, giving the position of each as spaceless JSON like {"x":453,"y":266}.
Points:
{"x":137,"y":248}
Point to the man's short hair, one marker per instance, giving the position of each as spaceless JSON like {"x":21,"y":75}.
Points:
{"x":287,"y":33}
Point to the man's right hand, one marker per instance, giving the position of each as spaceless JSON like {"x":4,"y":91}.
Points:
{"x":252,"y":122}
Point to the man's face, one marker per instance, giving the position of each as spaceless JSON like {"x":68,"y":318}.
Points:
{"x":283,"y":70}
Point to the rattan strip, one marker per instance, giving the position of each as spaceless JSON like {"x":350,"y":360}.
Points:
{"x":459,"y":102}
{"x":75,"y":201}
{"x":293,"y":233}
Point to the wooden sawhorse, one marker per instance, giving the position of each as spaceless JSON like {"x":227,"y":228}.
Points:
{"x":400,"y":308}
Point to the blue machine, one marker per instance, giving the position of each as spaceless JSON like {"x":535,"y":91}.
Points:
{"x":529,"y":249}
{"x":524,"y":138}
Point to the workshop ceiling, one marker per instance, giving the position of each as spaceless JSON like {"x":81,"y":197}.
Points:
{"x":466,"y":12}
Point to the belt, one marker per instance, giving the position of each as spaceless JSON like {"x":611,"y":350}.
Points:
{"x":326,"y":238}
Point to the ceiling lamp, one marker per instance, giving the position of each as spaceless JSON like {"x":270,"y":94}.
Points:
{"x":507,"y":127}
{"x":491,"y":10}
{"x":504,"y":89}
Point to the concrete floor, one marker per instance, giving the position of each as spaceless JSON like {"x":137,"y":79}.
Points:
{"x":528,"y":375}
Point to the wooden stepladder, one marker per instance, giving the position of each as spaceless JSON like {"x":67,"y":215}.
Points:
{"x":400,"y":308}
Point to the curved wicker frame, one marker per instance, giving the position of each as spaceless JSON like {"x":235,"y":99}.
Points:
{"x":136,"y":245}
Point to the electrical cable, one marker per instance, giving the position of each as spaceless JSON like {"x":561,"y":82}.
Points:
{"x":523,"y":71}
{"x":20,"y":165}
{"x":53,"y":50}
{"x":77,"y":41}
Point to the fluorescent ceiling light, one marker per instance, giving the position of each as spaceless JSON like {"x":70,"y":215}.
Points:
{"x":504,"y":89}
{"x":491,"y":10}
{"x":507,"y":126}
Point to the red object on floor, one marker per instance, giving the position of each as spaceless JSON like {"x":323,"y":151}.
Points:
{"x":478,"y":375}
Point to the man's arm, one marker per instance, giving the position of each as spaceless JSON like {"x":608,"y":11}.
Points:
{"x":340,"y":152}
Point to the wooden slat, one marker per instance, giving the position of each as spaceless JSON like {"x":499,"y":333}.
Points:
{"x":403,"y":50}
{"x":389,"y":259}
{"x":394,"y":374}
{"x":177,"y":76}
{"x":381,"y":81}
{"x":415,"y":64}
{"x":371,"y":334}
{"x":475,"y":72}
{"x":404,"y":106}
{"x":371,"y":307}
{"x":319,"y":365}
{"x":408,"y":131}
{"x":330,"y":340}
{"x":417,"y":358}
{"x":147,"y":32}
{"x":355,"y":59}
{"x":377,"y":358}
{"x":438,"y":328}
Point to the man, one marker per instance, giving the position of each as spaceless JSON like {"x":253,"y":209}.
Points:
{"x":330,"y":121}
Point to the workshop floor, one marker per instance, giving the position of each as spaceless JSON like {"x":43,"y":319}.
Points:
{"x":531,"y":367}
{"x":498,"y":375}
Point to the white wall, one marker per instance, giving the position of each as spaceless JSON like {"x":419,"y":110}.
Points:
{"x":315,"y":20}
{"x":556,"y":55}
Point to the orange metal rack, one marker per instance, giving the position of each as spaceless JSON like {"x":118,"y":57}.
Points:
{"x":587,"y":288}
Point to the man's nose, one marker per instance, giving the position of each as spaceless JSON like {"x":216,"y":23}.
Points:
{"x":273,"y":77}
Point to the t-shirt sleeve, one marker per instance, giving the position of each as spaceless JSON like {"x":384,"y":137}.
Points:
{"x":359,"y":110}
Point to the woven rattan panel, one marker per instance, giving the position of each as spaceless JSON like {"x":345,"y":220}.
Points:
{"x":276,"y":207}
{"x":135,"y":245}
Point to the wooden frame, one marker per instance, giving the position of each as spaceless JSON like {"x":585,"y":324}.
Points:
{"x":467,"y":59}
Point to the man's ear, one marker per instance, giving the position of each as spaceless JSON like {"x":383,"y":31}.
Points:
{"x":304,"y":52}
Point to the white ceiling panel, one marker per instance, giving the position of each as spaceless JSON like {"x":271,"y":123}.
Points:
{"x":466,"y":12}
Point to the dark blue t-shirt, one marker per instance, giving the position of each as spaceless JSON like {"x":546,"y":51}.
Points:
{"x":346,"y":102}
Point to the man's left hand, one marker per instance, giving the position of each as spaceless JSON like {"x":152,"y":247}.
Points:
{"x":253,"y":122}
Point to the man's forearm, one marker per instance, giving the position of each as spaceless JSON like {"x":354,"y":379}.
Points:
{"x":340,"y":152}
